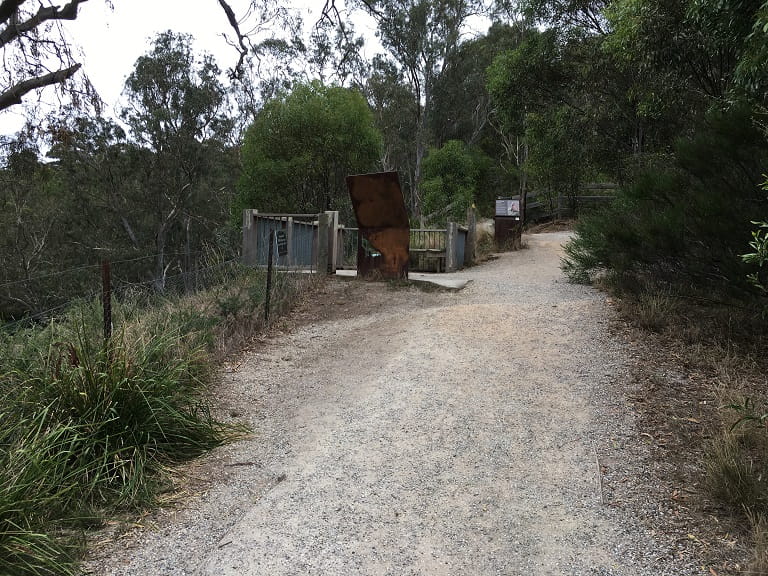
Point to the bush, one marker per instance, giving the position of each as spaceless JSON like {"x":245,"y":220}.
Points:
{"x":686,"y":224}
{"x":449,"y":184}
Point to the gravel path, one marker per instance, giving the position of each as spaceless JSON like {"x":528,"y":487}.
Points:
{"x":414,"y":432}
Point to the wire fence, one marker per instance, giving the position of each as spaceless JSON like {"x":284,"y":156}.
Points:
{"x":39,"y":298}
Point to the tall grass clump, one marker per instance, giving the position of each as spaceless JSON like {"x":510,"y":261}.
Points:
{"x":36,"y":487}
{"x":91,"y":429}
{"x":130,"y":407}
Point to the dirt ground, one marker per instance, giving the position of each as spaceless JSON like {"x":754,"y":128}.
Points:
{"x":499,"y":429}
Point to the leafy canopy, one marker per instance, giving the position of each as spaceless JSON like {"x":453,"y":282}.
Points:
{"x":302,"y":145}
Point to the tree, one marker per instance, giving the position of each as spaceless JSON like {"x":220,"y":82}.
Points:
{"x":94,"y":165}
{"x":302,"y":145}
{"x":420,"y":35}
{"x":696,"y":43}
{"x":395,"y":112}
{"x":28,"y":210}
{"x":557,"y":157}
{"x":449,"y":182}
{"x":530,"y":78}
{"x":462,"y":104}
{"x":585,"y":15}
{"x":176,"y":112}
{"x":37,"y":54}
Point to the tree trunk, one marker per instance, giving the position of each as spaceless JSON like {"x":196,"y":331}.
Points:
{"x":159,"y":280}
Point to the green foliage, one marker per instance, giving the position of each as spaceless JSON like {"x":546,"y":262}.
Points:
{"x":759,"y":256}
{"x":449,"y":182}
{"x":176,"y":113}
{"x":557,"y":157}
{"x":156,"y":199}
{"x":36,"y":483}
{"x":681,"y":224}
{"x":528,"y":78}
{"x":462,"y":107}
{"x":130,"y":408}
{"x":750,"y":414}
{"x":89,"y":430}
{"x":300,"y":148}
{"x":752,"y":68}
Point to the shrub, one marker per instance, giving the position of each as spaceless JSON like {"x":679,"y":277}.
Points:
{"x":449,"y":184}
{"x":684,"y":224}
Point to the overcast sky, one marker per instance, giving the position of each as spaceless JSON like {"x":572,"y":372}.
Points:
{"x":112,"y":40}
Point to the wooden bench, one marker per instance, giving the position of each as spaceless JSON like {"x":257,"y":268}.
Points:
{"x":429,"y":258}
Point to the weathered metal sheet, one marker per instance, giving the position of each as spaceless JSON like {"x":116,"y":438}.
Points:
{"x":383,"y":221}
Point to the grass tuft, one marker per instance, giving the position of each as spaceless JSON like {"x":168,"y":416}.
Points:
{"x":736,"y":469}
{"x":90,"y":429}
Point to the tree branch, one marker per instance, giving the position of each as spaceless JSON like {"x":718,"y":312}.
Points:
{"x":8,"y":8}
{"x":242,"y":48}
{"x":11,"y":32}
{"x":13,"y":95}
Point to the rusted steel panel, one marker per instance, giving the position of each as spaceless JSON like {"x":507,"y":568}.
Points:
{"x":383,"y":221}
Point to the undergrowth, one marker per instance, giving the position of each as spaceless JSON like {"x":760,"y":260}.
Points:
{"x":723,"y":343}
{"x":90,"y":430}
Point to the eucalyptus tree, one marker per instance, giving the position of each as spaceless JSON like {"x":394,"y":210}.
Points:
{"x":176,"y":110}
{"x":37,"y":53}
{"x":420,"y":36}
{"x":29,"y":209}
{"x":302,"y":145}
{"x":394,"y":112}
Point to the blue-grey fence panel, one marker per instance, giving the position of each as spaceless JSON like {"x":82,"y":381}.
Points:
{"x":263,"y":228}
{"x":303,"y":242}
{"x":304,"y":247}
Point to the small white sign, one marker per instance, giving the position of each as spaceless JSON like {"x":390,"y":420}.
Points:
{"x":507,"y":207}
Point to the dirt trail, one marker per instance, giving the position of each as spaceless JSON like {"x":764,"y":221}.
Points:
{"x":412,"y":432}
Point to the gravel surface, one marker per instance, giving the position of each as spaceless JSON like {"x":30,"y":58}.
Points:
{"x":482,"y":431}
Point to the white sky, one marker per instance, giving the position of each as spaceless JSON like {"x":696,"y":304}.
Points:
{"x":112,"y":40}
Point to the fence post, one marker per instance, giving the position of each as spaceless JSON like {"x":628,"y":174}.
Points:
{"x":470,"y":250}
{"x":269,"y":274}
{"x":289,"y":242}
{"x":333,"y":240}
{"x":250,"y":238}
{"x":451,"y":246}
{"x":324,"y":255}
